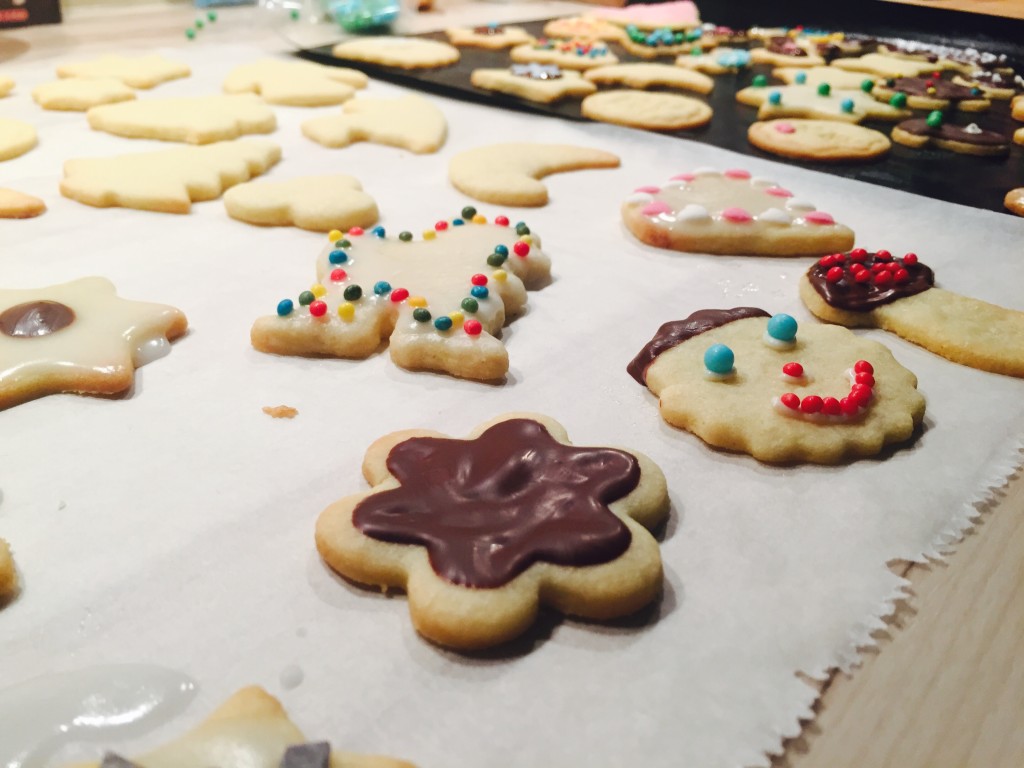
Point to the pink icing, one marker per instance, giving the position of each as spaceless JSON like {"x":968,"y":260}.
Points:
{"x":683,"y":177}
{"x":682,"y":12}
{"x":778,"y":192}
{"x":737,"y":215}
{"x":648,"y":189}
{"x":785,"y":128}
{"x":737,"y":174}
{"x":819,"y":217}
{"x":656,"y":207}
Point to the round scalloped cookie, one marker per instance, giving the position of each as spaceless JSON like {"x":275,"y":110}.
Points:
{"x":823,"y":140}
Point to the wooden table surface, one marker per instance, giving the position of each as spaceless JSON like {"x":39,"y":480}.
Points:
{"x":945,"y":686}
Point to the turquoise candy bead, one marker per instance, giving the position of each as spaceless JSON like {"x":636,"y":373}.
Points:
{"x":719,"y":358}
{"x":782,"y":327}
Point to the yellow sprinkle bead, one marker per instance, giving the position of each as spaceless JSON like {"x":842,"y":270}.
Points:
{"x":526,"y":239}
{"x":417,"y":301}
{"x":346,"y":311}
{"x":333,"y":235}
{"x":429,"y":234}
{"x":318,"y":290}
{"x":500,"y":275}
{"x":479,"y":219}
{"x":457,"y":318}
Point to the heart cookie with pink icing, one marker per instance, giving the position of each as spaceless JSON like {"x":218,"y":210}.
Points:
{"x":731,"y":212}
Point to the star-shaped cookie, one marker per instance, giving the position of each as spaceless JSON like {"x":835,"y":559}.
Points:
{"x":295,"y":83}
{"x":78,"y":337}
{"x":480,"y":532}
{"x":543,"y":83}
{"x":410,"y":122}
{"x":821,"y":102}
{"x":136,"y":71}
{"x":193,"y":120}
{"x":318,"y":203}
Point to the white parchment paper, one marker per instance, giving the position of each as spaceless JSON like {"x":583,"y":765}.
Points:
{"x":176,"y":526}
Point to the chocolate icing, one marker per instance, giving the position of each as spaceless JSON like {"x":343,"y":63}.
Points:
{"x":489,"y":29}
{"x":919,"y":127}
{"x":313,"y":755}
{"x":35,"y":318}
{"x":994,"y":79}
{"x":918,"y":86}
{"x":674,"y":333}
{"x":785,"y":46}
{"x":852,"y":296}
{"x":488,"y":508}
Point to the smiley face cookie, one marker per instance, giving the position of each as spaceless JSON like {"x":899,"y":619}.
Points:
{"x":730,"y":212}
{"x":876,"y":290}
{"x":480,"y":532}
{"x":439,"y":300}
{"x":78,"y":337}
{"x":745,"y":381}
{"x":822,"y":140}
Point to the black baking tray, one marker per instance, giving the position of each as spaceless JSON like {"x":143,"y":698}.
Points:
{"x":979,"y":182}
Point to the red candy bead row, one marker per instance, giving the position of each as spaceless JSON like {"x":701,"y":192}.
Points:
{"x":859,"y":396}
{"x":883,"y":271}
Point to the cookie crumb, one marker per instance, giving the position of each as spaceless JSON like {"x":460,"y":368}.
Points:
{"x":280,"y":411}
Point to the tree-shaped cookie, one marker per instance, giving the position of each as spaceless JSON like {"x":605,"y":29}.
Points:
{"x":440,"y":300}
{"x":480,"y":532}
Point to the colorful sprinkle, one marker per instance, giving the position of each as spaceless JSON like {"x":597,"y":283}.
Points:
{"x":457,"y":222}
{"x":819,"y":217}
{"x":719,"y":359}
{"x":334,"y":234}
{"x":421,"y":315}
{"x":784,"y":128}
{"x":346,"y":311}
{"x":650,"y":190}
{"x":478,"y":279}
{"x":337,"y":257}
{"x":846,"y":105}
{"x":306,"y":298}
{"x":382,"y":288}
{"x":759,"y":81}
{"x":417,"y":301}
{"x":521,"y":249}
{"x":356,"y":231}
{"x":522,"y":229}
{"x":457,"y":317}
{"x":867,"y":85}
{"x":472,"y":327}
{"x":468,"y":212}
{"x":470,"y":305}
{"x":898,"y":100}
{"x":479,"y":219}
{"x":353,"y":293}
{"x":782,"y":327}
{"x":501,"y":221}
{"x":793,"y":370}
{"x":318,"y":308}
{"x":441,"y":226}
{"x":934,"y":119}
{"x":405,"y":237}
{"x":737,"y":215}
{"x":500,"y":275}
{"x":496,"y":259}
{"x":285,"y":307}
{"x":775,"y":98}
{"x":790,"y":400}
{"x":736,"y":173}
{"x":801,"y":78}
{"x":443,"y":323}
{"x":824,"y":89}
{"x":399,"y":294}
{"x":318,"y":290}
{"x":479,"y":291}
{"x":778,"y":192}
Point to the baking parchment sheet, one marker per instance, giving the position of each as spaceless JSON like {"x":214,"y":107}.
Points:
{"x":175,"y":526}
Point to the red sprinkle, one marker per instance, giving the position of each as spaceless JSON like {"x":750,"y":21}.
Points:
{"x":834,"y":275}
{"x":860,"y":394}
{"x":878,"y":267}
{"x":472,"y":327}
{"x":790,"y":400}
{"x":827,"y":261}
{"x":910,"y":258}
{"x":863,"y":366}
{"x":793,"y":369}
{"x":858,"y":254}
{"x":863,"y":276}
{"x":856,"y":268}
{"x":811,"y":404}
{"x":883,"y":278}
{"x":478,"y":279}
{"x":831,"y":406}
{"x":356,"y":231}
{"x":441,"y":226}
{"x":883,"y":256}
{"x":337,"y":275}
{"x":521,"y":248}
{"x":901,"y":275}
{"x":318,"y":308}
{"x":892,"y":266}
{"x":864,"y":378}
{"x":839,"y":258}
{"x":848,"y":406}
{"x":501,"y":221}
{"x":399,"y":294}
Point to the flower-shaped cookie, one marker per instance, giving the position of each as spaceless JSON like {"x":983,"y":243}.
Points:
{"x":78,"y":337}
{"x":481,"y":531}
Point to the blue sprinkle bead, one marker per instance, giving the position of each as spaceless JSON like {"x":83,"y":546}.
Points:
{"x":847,"y":105}
{"x":775,"y":98}
{"x":285,"y":307}
{"x":782,"y":327}
{"x":719,"y":359}
{"x":801,"y":78}
{"x":338,"y":257}
{"x":443,"y":323}
{"x":382,"y":288}
{"x":457,"y":222}
{"x":502,"y":249}
{"x":378,"y":231}
{"x":479,"y":291}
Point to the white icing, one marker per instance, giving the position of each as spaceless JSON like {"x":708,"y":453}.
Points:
{"x":693,"y":212}
{"x":799,"y":381}
{"x":712,"y":376}
{"x":771,"y":341}
{"x":706,"y":170}
{"x":761,"y":181}
{"x":639,"y":197}
{"x":775,"y":216}
{"x":150,"y":350}
{"x":973,"y":128}
{"x":796,"y":204}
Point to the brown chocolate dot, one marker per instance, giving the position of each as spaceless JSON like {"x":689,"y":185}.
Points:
{"x":36,"y":318}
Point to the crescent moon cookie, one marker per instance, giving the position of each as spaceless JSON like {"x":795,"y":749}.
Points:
{"x":490,"y":36}
{"x":822,"y":140}
{"x":815,"y":102}
{"x":440,"y":300}
{"x":18,"y":205}
{"x":730,"y":212}
{"x":640,"y":109}
{"x":543,"y":83}
{"x":578,"y":53}
{"x":644,"y":75}
{"x":876,"y":290}
{"x":934,"y":130}
{"x":78,"y":337}
{"x":480,"y":532}
{"x":930,"y":93}
{"x":401,"y":52}
{"x":295,"y":83}
{"x":745,"y":381}
{"x":250,"y":729}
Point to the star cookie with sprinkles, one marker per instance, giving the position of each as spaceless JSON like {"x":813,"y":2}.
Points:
{"x":820,"y":102}
{"x":481,"y":531}
{"x":78,"y":337}
{"x":440,"y":300}
{"x":577,"y":53}
{"x":543,"y":83}
{"x":490,"y":36}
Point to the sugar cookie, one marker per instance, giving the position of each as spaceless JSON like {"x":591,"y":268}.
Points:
{"x":729,"y":212}
{"x":250,"y":729}
{"x":8,"y":574}
{"x":1018,"y":136}
{"x":18,"y":205}
{"x":136,"y":71}
{"x":586,"y":27}
{"x":318,"y":203}
{"x":6,"y":86}
{"x":16,"y":138}
{"x":295,"y":83}
{"x":543,"y":83}
{"x":643,"y":75}
{"x":934,"y":130}
{"x":410,"y":122}
{"x":681,"y":14}
{"x":167,"y":180}
{"x":193,"y":120}
{"x":897,"y":295}
{"x":77,"y":94}
{"x":823,"y":140}
{"x":1014,"y":200}
{"x":889,"y":66}
{"x":839,"y":79}
{"x":745,"y":381}
{"x":992,"y":84}
{"x":481,"y":531}
{"x":1017,"y":108}
{"x":660,"y":42}
{"x":717,"y":62}
{"x":784,"y":51}
{"x":78,"y":337}
{"x":489,"y":36}
{"x":440,"y":300}
{"x":401,"y":52}
{"x":930,"y":93}
{"x":817,"y":103}
{"x":568,"y":54}
{"x":507,"y":174}
{"x":640,"y":109}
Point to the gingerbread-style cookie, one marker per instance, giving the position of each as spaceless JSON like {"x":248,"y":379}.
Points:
{"x":16,"y":138}
{"x":18,"y":205}
{"x":317,"y":203}
{"x":875,"y":290}
{"x":572,"y":53}
{"x":730,"y":212}
{"x":481,"y":532}
{"x":745,"y":381}
{"x":838,"y":79}
{"x":644,"y":75}
{"x":640,"y":109}
{"x":934,"y":130}
{"x":439,"y":300}
{"x":395,"y":51}
{"x":681,"y":14}
{"x":410,"y":122}
{"x":253,"y":730}
{"x":817,"y":103}
{"x":77,"y":94}
{"x":490,"y":36}
{"x":822,"y":140}
{"x":193,"y":119}
{"x":784,"y":51}
{"x":543,"y":83}
{"x":135,"y":71}
{"x":717,"y":62}
{"x":78,"y":337}
{"x":8,"y":575}
{"x":1014,"y":200}
{"x":295,"y":83}
{"x":930,"y":93}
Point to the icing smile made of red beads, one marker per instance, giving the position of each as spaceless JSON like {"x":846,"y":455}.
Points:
{"x":829,"y":409}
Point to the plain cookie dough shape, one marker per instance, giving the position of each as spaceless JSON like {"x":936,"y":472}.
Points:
{"x":477,"y":561}
{"x":543,"y":88}
{"x":317,"y":203}
{"x":78,"y":94}
{"x":250,"y":729}
{"x":16,"y":138}
{"x":168,"y":180}
{"x":508,"y":174}
{"x":192,"y":120}
{"x":18,"y":205}
{"x":730,"y":212}
{"x":135,"y":71}
{"x":643,"y":75}
{"x":681,"y":14}
{"x":583,"y":27}
{"x":8,"y":575}
{"x":962,"y":329}
{"x":640,"y":109}
{"x":401,"y":52}
{"x":880,"y":65}
{"x":295,"y":83}
{"x":840,"y":79}
{"x":568,"y":54}
{"x":490,"y":36}
{"x":808,"y":102}
{"x":6,"y":86}
{"x":821,"y":140}
{"x":746,"y":409}
{"x":78,"y":337}
{"x":410,"y":122}
{"x":440,"y":301}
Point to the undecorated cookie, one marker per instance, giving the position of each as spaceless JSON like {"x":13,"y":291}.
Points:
{"x":507,"y":174}
{"x":640,"y":109}
{"x":16,"y":138}
{"x":168,"y":180}
{"x":1014,"y":201}
{"x":401,"y":52}
{"x":6,"y":85}
{"x":135,"y":71}
{"x":823,"y":140}
{"x":745,"y":381}
{"x":78,"y":337}
{"x":489,"y":36}
{"x":318,"y":203}
{"x":410,"y":122}
{"x":8,"y":574}
{"x":480,"y":532}
{"x":898,"y":295}
{"x":18,"y":205}
{"x":817,"y":103}
{"x":77,"y":94}
{"x":935,"y":131}
{"x":295,"y":83}
{"x":193,"y":120}
{"x":889,"y":66}
{"x":730,"y":212}
{"x":568,"y":54}
{"x":644,"y":75}
{"x":543,"y":83}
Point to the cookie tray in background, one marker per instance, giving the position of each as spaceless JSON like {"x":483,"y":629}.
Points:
{"x":980,"y":182}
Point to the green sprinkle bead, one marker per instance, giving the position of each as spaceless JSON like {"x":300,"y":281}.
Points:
{"x":898,"y":100}
{"x":294,"y":14}
{"x":343,"y":243}
{"x":522,"y":229}
{"x":496,"y":259}
{"x":470,"y":304}
{"x":759,"y":81}
{"x":824,"y":89}
{"x":421,"y":315}
{"x":353,"y":293}
{"x":190,"y":33}
{"x":468,"y":212}
{"x":867,"y":85}
{"x":443,"y":323}
{"x":405,"y":237}
{"x":934,"y":119}
{"x":199,"y":24}
{"x":306,"y":298}
{"x":211,"y":15}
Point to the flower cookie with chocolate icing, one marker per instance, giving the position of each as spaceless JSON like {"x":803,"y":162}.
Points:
{"x":930,"y":93}
{"x":480,"y":532}
{"x":78,"y":337}
{"x":743,"y":380}
{"x":969,"y":139}
{"x":440,"y":300}
{"x":730,"y":212}
{"x":877,"y":290}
